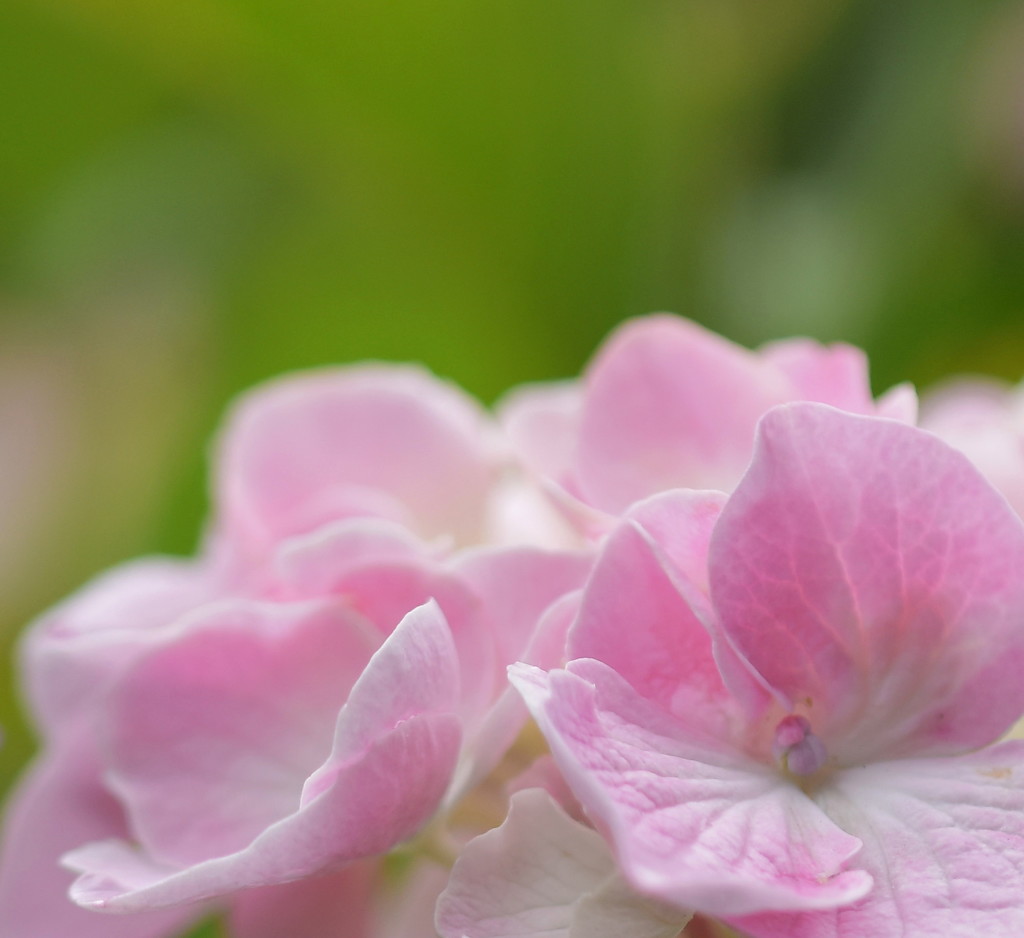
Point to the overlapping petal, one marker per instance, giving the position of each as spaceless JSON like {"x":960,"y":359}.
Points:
{"x":515,"y":587}
{"x":334,"y":904}
{"x":504,"y":720}
{"x":944,"y":839}
{"x":244,"y":699}
{"x":386,"y":441}
{"x":634,"y":618}
{"x":667,"y":404}
{"x":259,"y":727}
{"x":872,"y":577}
{"x":984,"y":420}
{"x":59,"y":804}
{"x":382,"y":574}
{"x":72,"y":653}
{"x":692,"y":819}
{"x":395,"y":745}
{"x":543,"y":875}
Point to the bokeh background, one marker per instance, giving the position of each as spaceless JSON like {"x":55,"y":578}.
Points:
{"x":198,"y":194}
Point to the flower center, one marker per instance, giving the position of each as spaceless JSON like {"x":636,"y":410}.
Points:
{"x":796,"y":749}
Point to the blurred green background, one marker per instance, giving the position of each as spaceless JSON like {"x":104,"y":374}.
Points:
{"x":198,"y":194}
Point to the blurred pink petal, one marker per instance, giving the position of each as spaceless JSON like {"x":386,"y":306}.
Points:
{"x":59,"y":804}
{"x":517,"y":584}
{"x":834,"y":374}
{"x":304,"y":693}
{"x":71,"y":654}
{"x":505,"y":718}
{"x":543,"y":875}
{"x":381,"y":440}
{"x":666,"y":404}
{"x":669,"y":404}
{"x":395,"y":745}
{"x":335,"y":904}
{"x":244,"y":699}
{"x":383,"y":575}
{"x":984,"y":420}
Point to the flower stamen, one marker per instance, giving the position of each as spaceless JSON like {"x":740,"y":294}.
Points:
{"x":796,"y":749}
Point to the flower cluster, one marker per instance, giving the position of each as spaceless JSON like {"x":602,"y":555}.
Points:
{"x":708,"y":638}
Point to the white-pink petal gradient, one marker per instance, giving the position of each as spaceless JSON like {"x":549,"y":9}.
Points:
{"x":543,"y":875}
{"x":944,"y":840}
{"x":383,"y":440}
{"x":692,"y":820}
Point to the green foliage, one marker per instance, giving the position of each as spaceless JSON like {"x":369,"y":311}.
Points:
{"x":212,"y":928}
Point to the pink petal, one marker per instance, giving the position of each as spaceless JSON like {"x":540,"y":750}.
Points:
{"x":379,"y":440}
{"x":543,"y":875}
{"x":505,"y":718}
{"x":336,"y":904}
{"x":314,"y":565}
{"x":835,"y":374}
{"x":543,"y":774}
{"x":692,"y":821}
{"x":394,"y":751}
{"x":541,"y":422}
{"x":58,"y":805}
{"x":944,"y":840}
{"x":677,"y":526}
{"x":984,"y":420}
{"x":245,"y":699}
{"x":899,"y":403}
{"x":525,"y":877}
{"x":521,"y":511}
{"x":380,"y":798}
{"x":856,"y":566}
{"x":416,"y":671}
{"x":669,"y":405}
{"x":516,"y":586}
{"x":382,"y":572}
{"x":72,"y":653}
{"x":634,"y":618}
{"x":680,"y":522}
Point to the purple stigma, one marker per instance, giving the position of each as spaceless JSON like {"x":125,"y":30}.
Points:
{"x":796,"y":748}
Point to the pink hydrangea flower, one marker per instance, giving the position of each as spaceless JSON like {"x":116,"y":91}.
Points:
{"x":667,"y":404}
{"x":782,"y":709}
{"x":302,"y":695}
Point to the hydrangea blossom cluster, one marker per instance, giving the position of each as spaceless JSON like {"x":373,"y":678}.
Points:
{"x":707,"y":639}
